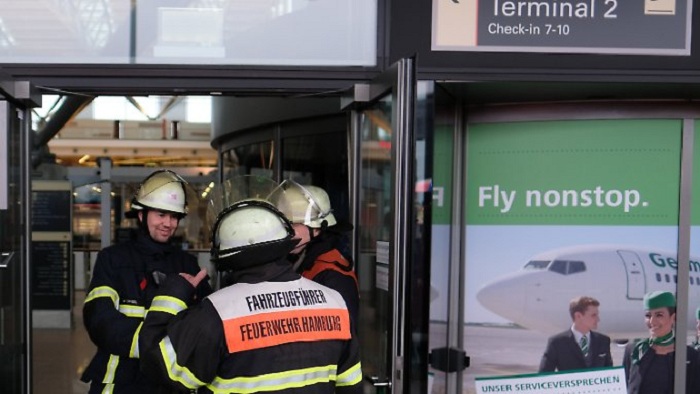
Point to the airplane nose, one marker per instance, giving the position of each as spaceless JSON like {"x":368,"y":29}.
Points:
{"x":503,"y":298}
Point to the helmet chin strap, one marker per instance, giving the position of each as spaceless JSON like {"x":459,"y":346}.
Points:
{"x":324,"y":226}
{"x":143,"y":226}
{"x":299,"y":259}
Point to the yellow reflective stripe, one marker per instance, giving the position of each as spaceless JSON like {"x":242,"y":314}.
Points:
{"x":103,"y":291}
{"x":275,"y":381}
{"x":109,"y":389}
{"x":132,"y":310}
{"x":350,"y":377}
{"x":134,"y":351}
{"x":111,"y":368}
{"x":177,"y":373}
{"x":167,"y":304}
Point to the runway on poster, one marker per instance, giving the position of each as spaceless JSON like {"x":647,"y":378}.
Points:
{"x":499,"y":351}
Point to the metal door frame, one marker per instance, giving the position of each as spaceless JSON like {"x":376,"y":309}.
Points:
{"x":22,"y":96}
{"x":399,"y":81}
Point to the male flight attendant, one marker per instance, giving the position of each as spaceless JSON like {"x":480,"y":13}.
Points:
{"x":578,"y":347}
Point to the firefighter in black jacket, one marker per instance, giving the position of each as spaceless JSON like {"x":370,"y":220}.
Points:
{"x":318,"y":254}
{"x":124,"y":281}
{"x":269,"y":331}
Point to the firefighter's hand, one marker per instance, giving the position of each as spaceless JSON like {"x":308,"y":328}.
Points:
{"x":195,"y":280}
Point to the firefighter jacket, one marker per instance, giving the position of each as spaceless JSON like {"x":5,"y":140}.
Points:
{"x":290,"y":335}
{"x":325,"y":264}
{"x":121,"y":290}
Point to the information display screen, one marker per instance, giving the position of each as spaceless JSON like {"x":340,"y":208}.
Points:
{"x":51,"y":275}
{"x":51,"y":210}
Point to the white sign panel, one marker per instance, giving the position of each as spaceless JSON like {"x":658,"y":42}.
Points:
{"x":598,"y":381}
{"x":649,"y":27}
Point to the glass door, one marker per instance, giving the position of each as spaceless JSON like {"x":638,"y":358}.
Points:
{"x":14,"y":312}
{"x":382,"y":124}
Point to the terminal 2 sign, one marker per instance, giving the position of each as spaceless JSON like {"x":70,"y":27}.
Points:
{"x":634,"y":27}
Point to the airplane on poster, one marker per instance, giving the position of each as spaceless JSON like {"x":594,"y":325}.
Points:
{"x":537,"y":296}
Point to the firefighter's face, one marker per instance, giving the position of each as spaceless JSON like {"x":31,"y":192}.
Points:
{"x":161,"y":225}
{"x":302,"y":232}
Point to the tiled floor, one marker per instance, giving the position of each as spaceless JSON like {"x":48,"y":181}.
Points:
{"x":59,"y":356}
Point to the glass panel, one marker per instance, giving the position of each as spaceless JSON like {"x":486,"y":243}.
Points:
{"x":252,"y":159}
{"x":320,"y":160}
{"x":233,"y":32}
{"x":186,"y":118}
{"x":441,"y":230}
{"x":87,"y":228}
{"x":694,"y":269}
{"x":585,"y":195}
{"x":374,"y":232}
{"x":421,"y":289}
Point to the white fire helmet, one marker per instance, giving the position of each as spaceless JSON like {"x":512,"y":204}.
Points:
{"x":163,"y":190}
{"x":307,"y":204}
{"x":254,"y":226}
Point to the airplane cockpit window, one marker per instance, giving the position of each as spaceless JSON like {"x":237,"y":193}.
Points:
{"x":576,"y":266}
{"x":558,"y":266}
{"x":537,"y":265}
{"x":565,"y":267}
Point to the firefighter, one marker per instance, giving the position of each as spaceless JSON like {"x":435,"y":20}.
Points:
{"x":269,"y":331}
{"x":124,"y":281}
{"x":318,"y":255}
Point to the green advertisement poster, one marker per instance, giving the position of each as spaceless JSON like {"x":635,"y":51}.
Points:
{"x":594,"y":172}
{"x":442,"y":178}
{"x":557,"y":210}
{"x":695,"y":206}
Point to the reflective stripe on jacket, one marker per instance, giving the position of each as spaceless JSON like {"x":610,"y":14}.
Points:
{"x":117,"y":301}
{"x":283,"y":337}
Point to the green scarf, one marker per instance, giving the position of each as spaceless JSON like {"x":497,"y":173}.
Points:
{"x":644,"y":345}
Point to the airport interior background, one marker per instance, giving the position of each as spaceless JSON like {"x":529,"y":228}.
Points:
{"x":442,"y":140}
{"x":138,"y":135}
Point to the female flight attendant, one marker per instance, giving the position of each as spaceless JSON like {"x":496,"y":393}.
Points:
{"x":649,"y":363}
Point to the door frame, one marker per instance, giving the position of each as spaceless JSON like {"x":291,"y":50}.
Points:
{"x":18,"y":97}
{"x":399,"y":82}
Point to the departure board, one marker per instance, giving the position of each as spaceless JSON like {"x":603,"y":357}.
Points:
{"x":51,"y":275}
{"x":51,"y":210}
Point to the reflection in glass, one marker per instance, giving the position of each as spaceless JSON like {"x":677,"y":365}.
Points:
{"x":252,"y":159}
{"x":240,"y":32}
{"x":320,"y":160}
{"x":375,"y":226}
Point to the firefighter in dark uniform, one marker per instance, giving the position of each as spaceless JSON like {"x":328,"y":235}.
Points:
{"x":650,"y":363}
{"x":318,"y":255}
{"x":124,"y":282}
{"x":269,"y":331}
